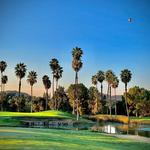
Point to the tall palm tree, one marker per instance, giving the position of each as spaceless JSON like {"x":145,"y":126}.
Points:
{"x":47,"y":85}
{"x":32,"y":79}
{"x":20,"y":71}
{"x":77,"y":53}
{"x":4,"y":81}
{"x":54,"y":63}
{"x":3,"y":66}
{"x":101,"y":78}
{"x":76,"y":65}
{"x":94,"y":80}
{"x":126,"y":76}
{"x":115,"y":84}
{"x":109,"y":75}
{"x":58,"y":75}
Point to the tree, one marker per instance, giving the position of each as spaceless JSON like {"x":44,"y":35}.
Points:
{"x":115,"y":84}
{"x":20,"y":71}
{"x":47,"y":85}
{"x":81,"y":95}
{"x":3,"y":66}
{"x":94,"y":80}
{"x":125,"y":78}
{"x":4,"y":81}
{"x":61,"y":99}
{"x":58,"y":74}
{"x":76,"y":65}
{"x":109,"y":75}
{"x":138,"y":100}
{"x":101,"y":78}
{"x":94,"y":100}
{"x":54,"y":64}
{"x":32,"y":79}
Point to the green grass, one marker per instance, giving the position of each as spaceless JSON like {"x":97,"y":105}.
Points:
{"x":144,"y":120}
{"x":12,"y":119}
{"x":51,"y":113}
{"x":51,"y":139}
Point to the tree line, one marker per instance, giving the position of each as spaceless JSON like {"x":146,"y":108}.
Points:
{"x":77,"y":98}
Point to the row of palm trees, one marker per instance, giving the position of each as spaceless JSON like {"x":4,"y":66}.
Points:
{"x":113,"y":82}
{"x":20,"y":72}
{"x":4,"y":79}
{"x":57,"y":70}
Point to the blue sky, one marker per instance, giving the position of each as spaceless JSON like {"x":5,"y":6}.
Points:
{"x":34,"y":31}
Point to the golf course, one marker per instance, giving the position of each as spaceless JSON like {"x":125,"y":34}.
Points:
{"x":16,"y":138}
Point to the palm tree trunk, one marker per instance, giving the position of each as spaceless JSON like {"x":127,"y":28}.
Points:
{"x":1,"y":92}
{"x":46,"y":99}
{"x":19,"y":94}
{"x":102,"y":95}
{"x":108,"y":96}
{"x":53,"y":87}
{"x":19,"y":86}
{"x":126,"y":103}
{"x":115,"y":102}
{"x":110,"y":101}
{"x":76,"y":77}
{"x":77,"y":101}
{"x":108,"y":91}
{"x":31,"y":97}
{"x":96,"y":101}
{"x":101,"y":91}
{"x":56,"y":84}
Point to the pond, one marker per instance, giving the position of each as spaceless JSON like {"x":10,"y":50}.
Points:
{"x":119,"y":128}
{"x":105,"y":127}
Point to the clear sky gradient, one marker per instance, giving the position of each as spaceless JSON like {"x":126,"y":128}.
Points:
{"x":34,"y":31}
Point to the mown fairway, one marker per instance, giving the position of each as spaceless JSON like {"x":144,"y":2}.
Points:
{"x":51,"y":113}
{"x":51,"y":139}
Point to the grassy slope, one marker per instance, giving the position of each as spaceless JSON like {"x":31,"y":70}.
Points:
{"x":13,"y":118}
{"x":51,"y":113}
{"x":31,"y":138}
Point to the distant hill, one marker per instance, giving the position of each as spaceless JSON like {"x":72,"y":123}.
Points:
{"x":16,"y":93}
{"x":118,"y":98}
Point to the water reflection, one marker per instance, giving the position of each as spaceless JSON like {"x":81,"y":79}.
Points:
{"x":118,"y":128}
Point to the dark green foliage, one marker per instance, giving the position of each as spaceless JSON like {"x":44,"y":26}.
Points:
{"x":82,"y":96}
{"x":60,"y":100}
{"x":94,"y":99}
{"x":139,"y":101}
{"x":39,"y":104}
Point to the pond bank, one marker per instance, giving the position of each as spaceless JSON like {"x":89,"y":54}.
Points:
{"x":120,"y":118}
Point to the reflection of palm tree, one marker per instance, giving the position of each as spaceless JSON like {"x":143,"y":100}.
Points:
{"x":53,"y":65}
{"x":20,"y":71}
{"x":47,"y":85}
{"x":32,"y":79}
{"x":115,"y":84}
{"x":109,"y":75}
{"x":76,"y":65}
{"x":125,"y":78}
{"x":3,"y":66}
